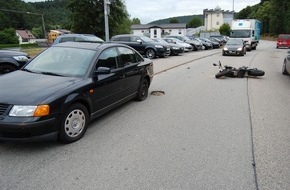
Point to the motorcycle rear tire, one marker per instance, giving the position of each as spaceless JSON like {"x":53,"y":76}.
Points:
{"x":222,"y":73}
{"x":256,"y":72}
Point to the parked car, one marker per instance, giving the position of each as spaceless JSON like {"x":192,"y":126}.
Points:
{"x":224,"y":39}
{"x":286,"y":64}
{"x":77,"y":38}
{"x":187,"y":47}
{"x":221,"y":43}
{"x":207,"y":45}
{"x":214,"y":44}
{"x":283,"y":41}
{"x":63,"y":88}
{"x":234,"y":46}
{"x":12,"y":60}
{"x":175,"y":49}
{"x":144,"y":45}
{"x":194,"y":43}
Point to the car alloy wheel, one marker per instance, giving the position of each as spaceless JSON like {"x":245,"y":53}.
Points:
{"x":150,"y":53}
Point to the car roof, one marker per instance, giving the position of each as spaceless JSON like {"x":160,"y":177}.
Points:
{"x":87,"y":45}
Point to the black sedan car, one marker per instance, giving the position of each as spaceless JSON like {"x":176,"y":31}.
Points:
{"x":234,"y":46}
{"x":175,"y":49}
{"x":286,"y":64}
{"x":12,"y":60}
{"x":58,"y":92}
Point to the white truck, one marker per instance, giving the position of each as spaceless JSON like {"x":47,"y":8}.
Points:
{"x":248,"y":30}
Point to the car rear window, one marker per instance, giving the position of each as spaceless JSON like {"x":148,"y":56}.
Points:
{"x":284,"y":36}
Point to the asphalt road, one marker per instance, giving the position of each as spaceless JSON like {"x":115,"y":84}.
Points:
{"x":203,"y":133}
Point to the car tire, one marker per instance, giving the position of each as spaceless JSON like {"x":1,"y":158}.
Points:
{"x":142,"y":90}
{"x":284,"y":71}
{"x":74,"y":123}
{"x":150,"y":53}
{"x":5,"y":68}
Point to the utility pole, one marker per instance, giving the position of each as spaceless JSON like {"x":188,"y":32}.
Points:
{"x":42,"y":17}
{"x":233,"y":5}
{"x":106,"y":12}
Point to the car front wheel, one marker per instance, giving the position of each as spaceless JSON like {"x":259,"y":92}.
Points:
{"x":5,"y":68}
{"x":150,"y":53}
{"x":74,"y":123}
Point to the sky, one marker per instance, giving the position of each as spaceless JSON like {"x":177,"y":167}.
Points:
{"x":151,"y":10}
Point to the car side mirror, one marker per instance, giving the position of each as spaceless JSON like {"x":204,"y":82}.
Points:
{"x":139,"y":41}
{"x":103,"y":70}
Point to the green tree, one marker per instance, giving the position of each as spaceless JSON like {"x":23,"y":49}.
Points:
{"x":263,"y":15}
{"x":173,"y":20}
{"x":278,"y":12}
{"x":194,"y":22}
{"x":225,"y":29}
{"x":136,"y":21}
{"x":87,"y":16}
{"x":8,"y":36}
{"x":244,"y":13}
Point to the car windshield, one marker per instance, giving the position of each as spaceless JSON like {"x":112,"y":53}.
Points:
{"x":234,"y":42}
{"x":94,"y":39}
{"x":161,"y":41}
{"x":146,"y":39}
{"x":62,"y":61}
{"x":178,"y":41}
{"x":186,"y":38}
{"x":240,"y":33}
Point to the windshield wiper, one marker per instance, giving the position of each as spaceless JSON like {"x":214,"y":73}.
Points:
{"x":50,"y":73}
{"x":30,"y":71}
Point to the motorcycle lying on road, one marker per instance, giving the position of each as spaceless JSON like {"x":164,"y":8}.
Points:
{"x":240,"y":72}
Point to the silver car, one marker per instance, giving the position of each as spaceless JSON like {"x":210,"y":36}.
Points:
{"x":286,"y":64}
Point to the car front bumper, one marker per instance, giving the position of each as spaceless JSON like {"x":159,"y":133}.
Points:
{"x":28,"y":130}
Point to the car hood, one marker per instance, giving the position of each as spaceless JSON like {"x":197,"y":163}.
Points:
{"x":24,"y":88}
{"x":10,"y":53}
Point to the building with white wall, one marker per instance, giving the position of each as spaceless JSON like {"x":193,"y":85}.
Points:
{"x":159,"y":31}
{"x":214,"y":18}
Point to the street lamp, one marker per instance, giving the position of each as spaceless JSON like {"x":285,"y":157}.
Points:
{"x":42,"y":17}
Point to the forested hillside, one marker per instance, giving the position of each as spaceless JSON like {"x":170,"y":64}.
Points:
{"x":88,"y":16}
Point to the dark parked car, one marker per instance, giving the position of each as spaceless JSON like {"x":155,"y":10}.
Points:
{"x":63,"y":88}
{"x":234,"y":46}
{"x":214,"y":44}
{"x":194,"y":43}
{"x":221,"y":43}
{"x":224,"y":39}
{"x":187,"y":47}
{"x":207,"y":45}
{"x":175,"y":49}
{"x":144,"y":45}
{"x":77,"y":38}
{"x":286,"y":64}
{"x":12,"y":60}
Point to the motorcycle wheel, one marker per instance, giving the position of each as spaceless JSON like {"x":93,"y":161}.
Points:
{"x":222,"y":73}
{"x":256,"y":72}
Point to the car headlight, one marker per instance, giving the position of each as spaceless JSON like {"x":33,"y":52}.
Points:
{"x":225,"y":49}
{"x":29,"y":111}
{"x":158,"y":46}
{"x":239,"y":49}
{"x":176,"y":48}
{"x":21,"y":58}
